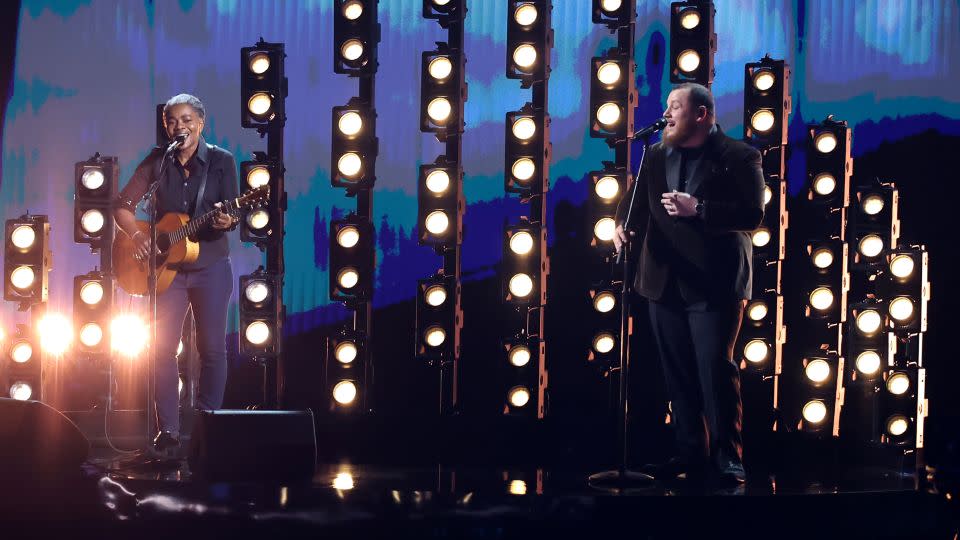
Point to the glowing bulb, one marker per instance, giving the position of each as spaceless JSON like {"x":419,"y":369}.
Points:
{"x":818,"y":370}
{"x":257,"y":291}
{"x":92,"y":179}
{"x":351,"y":50}
{"x":608,"y":114}
{"x":440,"y":68}
{"x":524,"y":128}
{"x":258,"y":219}
{"x":523,"y":169}
{"x":826,"y":142}
{"x":258,"y":176}
{"x":608,"y":73}
{"x":822,"y":258}
{"x":521,"y":242}
{"x":23,"y":237}
{"x":755,"y":351}
{"x":436,"y":295}
{"x":604,"y":302}
{"x":346,"y":352}
{"x":897,"y":425}
{"x":868,"y":321}
{"x":517,"y":487}
{"x":21,"y":352}
{"x":350,"y":123}
{"x":92,"y":221}
{"x":257,"y":333}
{"x":259,"y":104}
{"x":824,"y":184}
{"x":345,"y":392}
{"x":349,"y":164}
{"x":438,"y":181}
{"x":91,"y":334}
{"x":607,"y":188}
{"x":898,"y":384}
{"x":868,"y":362}
{"x":901,"y":266}
{"x":352,"y":9}
{"x":439,"y":110}
{"x":348,"y":236}
{"x":22,"y":277}
{"x":761,"y":237}
{"x":757,"y":310}
{"x":437,"y":222}
{"x":871,"y":245}
{"x":55,"y":332}
{"x":605,"y":229}
{"x":259,"y":63}
{"x":525,"y":15}
{"x":91,"y":293}
{"x":872,"y":204}
{"x":767,"y":195}
{"x":519,"y":355}
{"x":521,"y":285}
{"x":814,"y":411}
{"x":21,"y":391}
{"x":688,"y":61}
{"x":435,"y":336}
{"x":821,"y":298}
{"x":610,"y":5}
{"x":604,"y":342}
{"x":348,"y":277}
{"x":525,"y":56}
{"x":762,"y":120}
{"x":689,"y":19}
{"x":901,"y":308}
{"x":763,"y":80}
{"x":344,"y":480}
{"x":519,"y":396}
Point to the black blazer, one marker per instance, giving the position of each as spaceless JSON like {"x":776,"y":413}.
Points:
{"x":709,"y":255}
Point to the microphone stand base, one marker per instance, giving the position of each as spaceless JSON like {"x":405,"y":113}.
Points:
{"x":620,"y":481}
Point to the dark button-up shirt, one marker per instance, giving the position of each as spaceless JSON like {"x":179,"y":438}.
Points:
{"x":178,"y":193}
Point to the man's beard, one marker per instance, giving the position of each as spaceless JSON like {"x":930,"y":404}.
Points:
{"x":676,"y":136}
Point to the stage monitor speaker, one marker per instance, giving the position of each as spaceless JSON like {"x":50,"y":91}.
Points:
{"x":253,"y":445}
{"x":36,"y":439}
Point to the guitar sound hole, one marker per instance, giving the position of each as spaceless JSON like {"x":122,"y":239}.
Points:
{"x":163,"y":243}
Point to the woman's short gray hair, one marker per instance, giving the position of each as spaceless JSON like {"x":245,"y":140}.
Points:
{"x":190,"y":100}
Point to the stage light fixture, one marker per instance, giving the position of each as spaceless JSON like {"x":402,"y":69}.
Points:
{"x":21,"y":370}
{"x":354,"y":146}
{"x":603,"y":197}
{"x":874,"y":224}
{"x":760,"y":340}
{"x":906,"y":287}
{"x":828,"y":279}
{"x":345,"y":392}
{"x":518,"y":396}
{"x":442,"y":92}
{"x":351,"y":265}
{"x":260,"y":222}
{"x":263,"y":85}
{"x":95,"y":186}
{"x":613,"y":13}
{"x":261,"y":314}
{"x":829,"y":167}
{"x":523,"y":263}
{"x":93,"y":295}
{"x":438,"y":317}
{"x":898,"y":383}
{"x":27,"y":260}
{"x":767,"y":102}
{"x":440,"y":204}
{"x":522,"y":356}
{"x":527,"y":152}
{"x":904,"y":407}
{"x":21,"y":390}
{"x":612,"y":91}
{"x":817,"y":370}
{"x":868,"y":363}
{"x":444,"y":11}
{"x":814,"y":411}
{"x":756,"y":351}
{"x":604,"y":301}
{"x":693,"y":42}
{"x":356,"y":34}
{"x":528,"y":35}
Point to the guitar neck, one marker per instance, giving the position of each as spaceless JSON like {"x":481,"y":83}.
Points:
{"x":192,"y":226}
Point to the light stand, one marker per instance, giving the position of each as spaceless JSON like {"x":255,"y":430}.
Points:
{"x":622,"y":478}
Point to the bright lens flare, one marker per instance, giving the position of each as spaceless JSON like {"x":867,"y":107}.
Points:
{"x":257,"y":333}
{"x":91,"y":335}
{"x":521,"y":285}
{"x":519,"y":355}
{"x":814,"y":412}
{"x":348,"y":277}
{"x":525,"y":15}
{"x":92,"y":179}
{"x":521,"y":242}
{"x":688,"y":61}
{"x":898,"y":384}
{"x":604,"y":342}
{"x":525,"y":56}
{"x":55,"y":332}
{"x":438,"y":181}
{"x":436,"y":295}
{"x":868,"y":321}
{"x":435,"y":336}
{"x":346,"y":352}
{"x":818,"y":370}
{"x":762,"y":120}
{"x":129,"y":335}
{"x":608,"y":114}
{"x":605,"y":229}
{"x":757,"y":310}
{"x":608,"y":73}
{"x":259,"y":63}
{"x":92,"y":221}
{"x":755,"y":351}
{"x":824,"y":184}
{"x":523,"y":169}
{"x":524,"y":128}
{"x":871,"y":245}
{"x":821,"y":298}
{"x":826,"y":142}
{"x":350,"y":123}
{"x":91,"y":293}
{"x":259,"y":104}
{"x":351,"y":50}
{"x":257,"y":291}
{"x":822,"y":258}
{"x":22,"y":277}
{"x":518,"y":396}
{"x":23,"y":237}
{"x":868,"y":362}
{"x":607,"y":188}
{"x":437,"y":222}
{"x":348,"y":236}
{"x":258,"y":176}
{"x":345,"y":392}
{"x":344,"y":480}
{"x":439,"y":110}
{"x":763,"y":80}
{"x":689,"y":19}
{"x":604,"y":302}
{"x":440,"y":68}
{"x":901,"y":266}
{"x":872,"y":204}
{"x":901,"y":308}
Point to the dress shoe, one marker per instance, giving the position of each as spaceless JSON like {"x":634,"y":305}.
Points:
{"x":668,"y":469}
{"x":730,"y":474}
{"x":166,"y":444}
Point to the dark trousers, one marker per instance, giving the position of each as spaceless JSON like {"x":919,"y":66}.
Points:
{"x":702,"y":380}
{"x":207,"y":291}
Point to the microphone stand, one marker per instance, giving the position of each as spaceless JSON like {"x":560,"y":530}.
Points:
{"x":622,"y":478}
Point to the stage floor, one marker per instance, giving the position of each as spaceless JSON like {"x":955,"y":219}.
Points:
{"x":445,"y":501}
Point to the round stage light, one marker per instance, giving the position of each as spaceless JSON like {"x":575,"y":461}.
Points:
{"x":259,"y":63}
{"x":607,"y":188}
{"x":21,"y":352}
{"x":767,"y":195}
{"x":608,"y":114}
{"x":605,"y":229}
{"x":92,"y":221}
{"x":91,"y":293}
{"x":525,"y":14}
{"x":604,"y":342}
{"x":521,"y":285}
{"x":257,"y":333}
{"x":814,"y":411}
{"x":348,"y":236}
{"x":817,"y":370}
{"x":435,"y":336}
{"x":757,"y":310}
{"x":824,"y":184}
{"x":92,"y":179}
{"x":688,"y":61}
{"x":349,"y":164}
{"x":345,"y":392}
{"x":91,"y":334}
{"x":441,"y":2}
{"x":55,"y":333}
{"x":604,"y":302}
{"x":689,"y":18}
{"x":129,"y":335}
{"x":610,"y":5}
{"x":258,"y":219}
{"x":868,"y":362}
{"x":525,"y":56}
{"x":898,"y":383}
{"x":352,"y":9}
{"x":872,"y":204}
{"x":257,"y":291}
{"x":761,"y":237}
{"x":343,"y":481}
{"x":901,"y":266}
{"x":871,"y":245}
{"x":519,"y":356}
{"x":825,"y":142}
{"x":259,"y":104}
{"x":350,"y":123}
{"x":351,"y":50}
{"x":822,"y":258}
{"x":437,"y":222}
{"x":517,"y":487}
{"x":523,"y":169}
{"x":435,"y":295}
{"x":438,"y":181}
{"x":869,"y":321}
{"x":762,"y":120}
{"x":348,"y":277}
{"x":346,"y":352}
{"x":821,"y":298}
{"x":21,"y":391}
{"x":608,"y":73}
{"x":755,"y":351}
{"x":897,"y":425}
{"x":901,"y":309}
{"x":258,"y":176}
{"x":524,"y":128}
{"x":521,"y":242}
{"x":440,"y":68}
{"x":439,"y":110}
{"x":763,"y":80}
{"x":22,"y":277}
{"x":23,"y":237}
{"x":518,"y":396}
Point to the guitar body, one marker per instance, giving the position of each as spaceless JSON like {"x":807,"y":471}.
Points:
{"x":132,"y":274}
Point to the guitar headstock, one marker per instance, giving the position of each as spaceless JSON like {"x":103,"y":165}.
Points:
{"x":254,"y":198}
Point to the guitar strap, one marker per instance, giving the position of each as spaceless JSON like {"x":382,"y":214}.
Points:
{"x":203,"y":183}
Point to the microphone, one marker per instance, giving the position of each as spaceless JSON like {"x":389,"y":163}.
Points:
{"x":177,"y":142}
{"x":651,"y":129}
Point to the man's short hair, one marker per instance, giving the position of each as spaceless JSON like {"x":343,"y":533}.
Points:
{"x":700,"y":95}
{"x":190,"y":100}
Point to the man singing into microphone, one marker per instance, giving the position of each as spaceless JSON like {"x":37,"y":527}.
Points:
{"x":700,"y":194}
{"x":195,"y":177}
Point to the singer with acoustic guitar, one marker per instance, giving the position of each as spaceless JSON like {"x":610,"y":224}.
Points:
{"x":195,"y":177}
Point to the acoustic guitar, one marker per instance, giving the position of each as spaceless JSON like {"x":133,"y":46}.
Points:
{"x":175,"y":243}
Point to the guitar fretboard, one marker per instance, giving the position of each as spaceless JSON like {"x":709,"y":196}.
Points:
{"x":192,"y":226}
